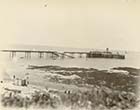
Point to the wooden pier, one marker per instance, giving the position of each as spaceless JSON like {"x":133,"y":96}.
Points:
{"x":80,"y":54}
{"x":66,"y":54}
{"x":41,"y":54}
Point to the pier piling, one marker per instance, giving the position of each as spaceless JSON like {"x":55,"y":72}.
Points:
{"x":52,"y":54}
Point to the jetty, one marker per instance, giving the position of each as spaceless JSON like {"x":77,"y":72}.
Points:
{"x":41,"y":54}
{"x":65,"y":54}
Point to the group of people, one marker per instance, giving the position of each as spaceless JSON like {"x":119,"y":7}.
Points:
{"x":21,"y":82}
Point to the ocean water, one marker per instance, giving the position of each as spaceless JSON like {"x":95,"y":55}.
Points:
{"x":132,"y":60}
{"x":19,"y":64}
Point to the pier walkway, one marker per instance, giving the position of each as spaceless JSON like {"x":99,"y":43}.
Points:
{"x":41,"y":53}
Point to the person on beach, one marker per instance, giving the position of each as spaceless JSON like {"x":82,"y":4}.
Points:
{"x":14,"y":79}
{"x":27,"y":78}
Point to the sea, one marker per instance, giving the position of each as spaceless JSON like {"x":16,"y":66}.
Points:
{"x":20,"y":64}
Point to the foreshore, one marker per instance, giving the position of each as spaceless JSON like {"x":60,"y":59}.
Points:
{"x":77,"y":88}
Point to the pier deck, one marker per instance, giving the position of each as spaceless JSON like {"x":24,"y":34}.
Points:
{"x":41,"y":53}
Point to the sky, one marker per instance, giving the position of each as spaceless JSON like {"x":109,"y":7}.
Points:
{"x":71,"y":23}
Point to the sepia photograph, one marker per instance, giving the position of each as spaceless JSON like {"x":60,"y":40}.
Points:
{"x":69,"y":54}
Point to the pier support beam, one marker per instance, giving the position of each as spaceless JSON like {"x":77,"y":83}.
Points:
{"x":52,"y":55}
{"x":27,"y":55}
{"x":72,"y":54}
{"x":63,"y":56}
{"x":12,"y":54}
{"x":80,"y":55}
{"x":46,"y":55}
{"x":41,"y":54}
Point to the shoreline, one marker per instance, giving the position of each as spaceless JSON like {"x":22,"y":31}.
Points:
{"x":101,"y":88}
